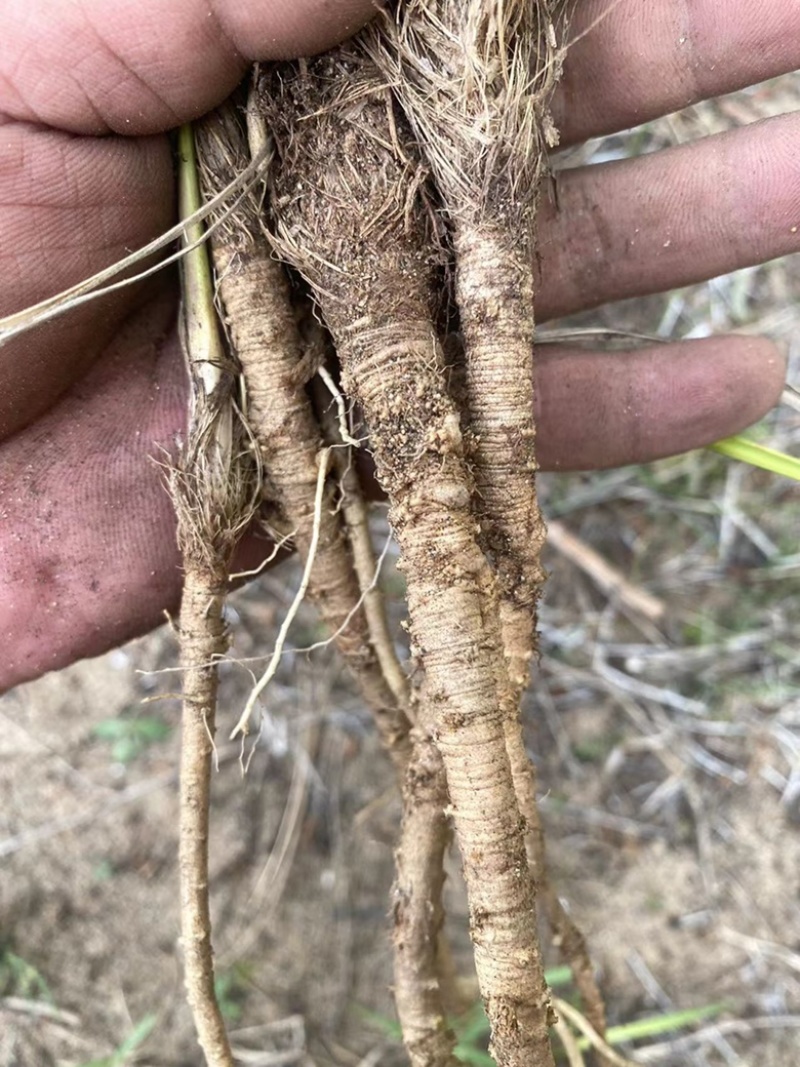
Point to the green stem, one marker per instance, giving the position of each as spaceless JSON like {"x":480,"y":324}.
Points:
{"x":768,"y":459}
{"x":660,"y":1024}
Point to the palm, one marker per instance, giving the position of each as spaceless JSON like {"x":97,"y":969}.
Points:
{"x":86,"y":549}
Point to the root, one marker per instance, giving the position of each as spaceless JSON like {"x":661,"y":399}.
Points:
{"x":214,"y":489}
{"x":241,"y":726}
{"x":202,"y":633}
{"x":377,"y":299}
{"x":356,"y":519}
{"x":424,"y":973}
{"x":418,"y":913}
{"x":265,"y":336}
{"x":607,"y":1054}
{"x":570,"y":1045}
{"x":475,"y":77}
{"x":344,"y":432}
{"x":566,"y":935}
{"x":496,"y":308}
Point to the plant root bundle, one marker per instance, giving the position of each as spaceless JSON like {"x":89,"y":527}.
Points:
{"x":456,"y":90}
{"x":474,"y":78}
{"x":424,"y":973}
{"x":362,"y":238}
{"x":274,"y":356}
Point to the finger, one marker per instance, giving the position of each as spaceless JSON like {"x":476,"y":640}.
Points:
{"x":144,"y":66}
{"x":671,"y":218}
{"x":68,"y":208}
{"x":87,"y":545}
{"x":635,"y":60}
{"x":598,"y":410}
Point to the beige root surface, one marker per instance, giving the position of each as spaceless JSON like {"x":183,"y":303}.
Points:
{"x":355,"y":514}
{"x":212,"y":490}
{"x":202,"y":637}
{"x":418,"y":913}
{"x":424,"y":971}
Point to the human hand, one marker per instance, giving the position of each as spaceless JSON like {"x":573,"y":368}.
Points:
{"x":87,"y":545}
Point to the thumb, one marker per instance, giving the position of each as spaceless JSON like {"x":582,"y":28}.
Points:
{"x":144,"y":66}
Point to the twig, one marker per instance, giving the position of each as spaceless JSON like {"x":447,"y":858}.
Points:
{"x":40,"y":1009}
{"x":333,"y":389}
{"x":605,"y":820}
{"x":581,"y":1023}
{"x":373,"y":1057}
{"x":759,"y":946}
{"x":667,"y":697}
{"x":728,"y":1028}
{"x":242,"y":725}
{"x":292,"y":1027}
{"x":569,"y":1044}
{"x":608,"y":578}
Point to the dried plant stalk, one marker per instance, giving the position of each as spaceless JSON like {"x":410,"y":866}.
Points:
{"x":264,"y":333}
{"x":214,"y":492}
{"x":348,"y":214}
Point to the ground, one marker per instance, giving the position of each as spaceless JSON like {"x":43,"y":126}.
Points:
{"x":668,"y":750}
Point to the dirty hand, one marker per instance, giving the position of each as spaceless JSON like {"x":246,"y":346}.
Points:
{"x":87,"y":546}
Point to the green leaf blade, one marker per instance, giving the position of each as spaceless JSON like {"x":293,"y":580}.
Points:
{"x":768,"y":459}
